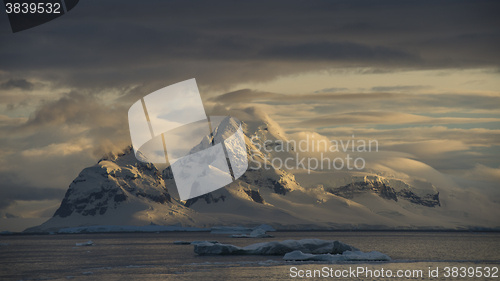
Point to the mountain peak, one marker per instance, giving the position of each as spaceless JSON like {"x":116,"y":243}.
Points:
{"x":120,"y":190}
{"x":110,"y":182}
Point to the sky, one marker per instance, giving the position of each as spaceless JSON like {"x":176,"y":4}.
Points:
{"x":421,"y":77}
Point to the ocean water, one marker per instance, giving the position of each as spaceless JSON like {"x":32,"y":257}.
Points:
{"x":153,"y":256}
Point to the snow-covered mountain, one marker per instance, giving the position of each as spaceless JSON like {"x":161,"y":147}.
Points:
{"x":369,"y":199}
{"x":119,"y":190}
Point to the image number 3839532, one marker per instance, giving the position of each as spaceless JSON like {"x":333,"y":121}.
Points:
{"x":25,"y":14}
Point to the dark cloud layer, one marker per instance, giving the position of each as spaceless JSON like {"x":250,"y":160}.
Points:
{"x":11,"y":192}
{"x":400,"y":88}
{"x":110,"y":43}
{"x":248,"y":95}
{"x":22,"y":84}
{"x":387,"y":101}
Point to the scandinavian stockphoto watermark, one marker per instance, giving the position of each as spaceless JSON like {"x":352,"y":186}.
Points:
{"x":170,"y":126}
{"x":323,"y":150}
{"x":166,"y":127}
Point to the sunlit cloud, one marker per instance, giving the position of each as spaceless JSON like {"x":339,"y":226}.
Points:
{"x":387,"y":118}
{"x":484,"y":173}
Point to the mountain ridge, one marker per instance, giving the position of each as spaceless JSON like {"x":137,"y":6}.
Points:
{"x":121,"y":189}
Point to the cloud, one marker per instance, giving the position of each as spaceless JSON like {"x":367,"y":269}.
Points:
{"x":6,"y":121}
{"x":77,"y":108}
{"x":249,"y":42}
{"x":400,"y":88}
{"x":479,"y":137}
{"x":318,"y":102}
{"x":60,"y":149}
{"x":243,"y":95}
{"x":10,"y":216}
{"x":445,"y":149}
{"x":248,"y":95}
{"x":429,"y":148}
{"x":12,"y":192}
{"x":484,"y":173}
{"x":331,"y":90}
{"x":340,"y":51}
{"x":22,"y":84}
{"x":364,"y":118}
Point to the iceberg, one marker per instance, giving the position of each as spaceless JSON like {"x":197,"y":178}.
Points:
{"x":256,"y":233}
{"x":192,"y":243}
{"x":88,"y":243}
{"x":309,"y":246}
{"x":345,"y":256}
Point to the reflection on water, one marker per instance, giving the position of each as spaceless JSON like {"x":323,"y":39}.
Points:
{"x":143,"y":256}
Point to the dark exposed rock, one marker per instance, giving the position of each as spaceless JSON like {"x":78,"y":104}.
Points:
{"x":209,"y":198}
{"x":429,"y":200}
{"x":65,"y":209}
{"x":357,"y":188}
{"x":120,"y":198}
{"x":255,"y":195}
{"x":387,"y":193}
{"x":163,"y":198}
{"x":278,"y":186}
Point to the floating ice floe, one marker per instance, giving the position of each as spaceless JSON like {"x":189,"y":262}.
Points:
{"x":310,"y":246}
{"x":345,"y":256}
{"x":88,"y":243}
{"x":256,"y":233}
{"x":239,"y":229}
{"x":192,"y":243}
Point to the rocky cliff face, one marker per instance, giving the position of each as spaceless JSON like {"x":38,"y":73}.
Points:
{"x":385,"y":191}
{"x":110,"y":183}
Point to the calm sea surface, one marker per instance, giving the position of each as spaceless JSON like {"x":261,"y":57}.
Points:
{"x":153,"y":256}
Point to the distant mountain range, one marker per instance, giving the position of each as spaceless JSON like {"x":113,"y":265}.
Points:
{"x":119,"y":190}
